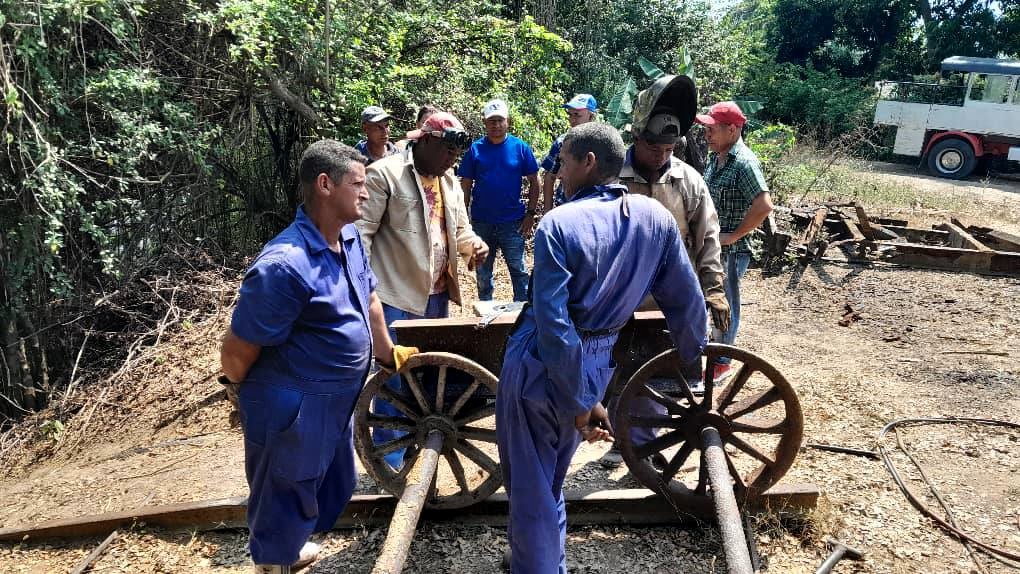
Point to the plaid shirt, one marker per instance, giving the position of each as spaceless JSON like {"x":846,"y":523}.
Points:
{"x":733,"y":187}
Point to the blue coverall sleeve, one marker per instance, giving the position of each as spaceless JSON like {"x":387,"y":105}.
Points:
{"x":559,"y":346}
{"x":678,"y":294}
{"x":551,"y":161}
{"x":271,"y":299}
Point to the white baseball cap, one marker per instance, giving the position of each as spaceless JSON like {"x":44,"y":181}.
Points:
{"x":495,"y":108}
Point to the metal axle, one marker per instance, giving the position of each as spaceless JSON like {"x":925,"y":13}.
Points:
{"x":405,"y":515}
{"x":738,"y":559}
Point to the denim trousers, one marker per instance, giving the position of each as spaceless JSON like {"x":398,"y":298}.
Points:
{"x":505,"y":237}
{"x":735,"y":266}
{"x":438,"y":307}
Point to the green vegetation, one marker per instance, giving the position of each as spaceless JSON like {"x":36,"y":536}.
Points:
{"x":145,"y":141}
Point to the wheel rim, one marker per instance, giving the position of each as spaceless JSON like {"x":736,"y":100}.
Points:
{"x":950,"y":161}
{"x":756,"y":412}
{"x":446,"y":392}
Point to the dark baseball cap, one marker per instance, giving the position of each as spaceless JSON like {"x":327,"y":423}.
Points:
{"x":373,"y":114}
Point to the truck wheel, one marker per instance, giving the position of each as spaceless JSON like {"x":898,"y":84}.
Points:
{"x":952,"y":158}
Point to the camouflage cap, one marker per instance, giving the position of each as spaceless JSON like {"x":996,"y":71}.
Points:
{"x":673,"y":95}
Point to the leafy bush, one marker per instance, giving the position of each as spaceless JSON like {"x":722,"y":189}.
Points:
{"x":824,"y":103}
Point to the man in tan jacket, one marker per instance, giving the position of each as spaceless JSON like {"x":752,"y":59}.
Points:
{"x":414,"y":226}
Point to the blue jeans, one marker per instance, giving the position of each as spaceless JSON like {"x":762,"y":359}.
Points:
{"x":734,"y":265}
{"x":507,"y":238}
{"x":438,"y":307}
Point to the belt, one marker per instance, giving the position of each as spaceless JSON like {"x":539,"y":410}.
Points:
{"x":593,"y":333}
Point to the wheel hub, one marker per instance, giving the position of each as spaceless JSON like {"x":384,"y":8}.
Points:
{"x":439,"y":423}
{"x":951,"y":160}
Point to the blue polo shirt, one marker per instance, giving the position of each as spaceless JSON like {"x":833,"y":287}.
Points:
{"x":497,"y":170}
{"x":308,"y":308}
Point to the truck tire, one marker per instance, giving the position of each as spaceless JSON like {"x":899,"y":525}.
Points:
{"x":952,"y":158}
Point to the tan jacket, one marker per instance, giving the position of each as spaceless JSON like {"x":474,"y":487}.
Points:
{"x":684,"y":193}
{"x":394,"y":229}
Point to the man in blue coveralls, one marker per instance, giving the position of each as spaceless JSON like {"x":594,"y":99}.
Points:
{"x":596,"y":257}
{"x":298,"y":350}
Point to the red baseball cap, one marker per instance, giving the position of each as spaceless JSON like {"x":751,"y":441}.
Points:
{"x":723,"y":113}
{"x":437,"y":122}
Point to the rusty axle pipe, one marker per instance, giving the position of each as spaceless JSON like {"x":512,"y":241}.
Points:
{"x":738,"y":559}
{"x":405,"y":515}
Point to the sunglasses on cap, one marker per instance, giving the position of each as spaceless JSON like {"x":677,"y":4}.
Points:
{"x":452,"y":137}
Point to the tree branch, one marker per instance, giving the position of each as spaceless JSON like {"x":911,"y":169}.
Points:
{"x":293,"y":101}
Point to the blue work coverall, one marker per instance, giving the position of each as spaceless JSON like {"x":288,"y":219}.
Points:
{"x":307,"y":306}
{"x":596,"y":257}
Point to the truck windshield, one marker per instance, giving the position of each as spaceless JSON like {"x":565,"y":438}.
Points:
{"x":990,"y":88}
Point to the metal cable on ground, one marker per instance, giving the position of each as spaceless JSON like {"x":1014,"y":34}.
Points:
{"x":938,"y":496}
{"x":996,"y":552}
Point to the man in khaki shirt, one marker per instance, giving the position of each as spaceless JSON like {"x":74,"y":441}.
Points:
{"x":413,"y":226}
{"x":662,"y":115}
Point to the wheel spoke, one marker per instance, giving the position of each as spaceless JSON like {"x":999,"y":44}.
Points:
{"x":394,"y":445}
{"x":387,"y":422}
{"x":477,"y":415}
{"x":708,"y":379}
{"x":702,"y":486}
{"x":441,"y":388}
{"x":475,"y":433}
{"x":419,"y":396}
{"x":759,"y":426}
{"x":747,"y":448}
{"x":671,"y":406}
{"x":737,"y":479}
{"x":659,"y":444}
{"x":461,"y":400}
{"x":729,"y":393}
{"x":477,"y":456}
{"x":751,"y":404}
{"x":655,"y":421}
{"x":389,"y":396}
{"x":458,"y":470}
{"x":677,"y":461}
{"x":409,"y":459}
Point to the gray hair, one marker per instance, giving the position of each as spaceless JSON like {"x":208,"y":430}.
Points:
{"x":329,"y":157}
{"x":603,"y":141}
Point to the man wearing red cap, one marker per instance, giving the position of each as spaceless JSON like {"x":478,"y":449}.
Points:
{"x":413,"y":226}
{"x":741,"y":198}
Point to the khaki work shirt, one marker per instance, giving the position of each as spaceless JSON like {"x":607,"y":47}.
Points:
{"x":682,"y":191}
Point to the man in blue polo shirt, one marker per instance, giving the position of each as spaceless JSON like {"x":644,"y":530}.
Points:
{"x":491,"y":175}
{"x":580,"y":110}
{"x":297,"y":353}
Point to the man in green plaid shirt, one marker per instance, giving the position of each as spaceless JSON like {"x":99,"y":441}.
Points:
{"x":741,"y":197}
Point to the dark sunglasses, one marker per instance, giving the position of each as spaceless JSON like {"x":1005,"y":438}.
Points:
{"x":453,"y":137}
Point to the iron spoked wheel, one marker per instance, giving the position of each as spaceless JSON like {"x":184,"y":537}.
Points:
{"x":440,"y":391}
{"x":756,"y":413}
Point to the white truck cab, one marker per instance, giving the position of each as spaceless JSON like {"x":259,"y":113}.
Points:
{"x":954,"y":127}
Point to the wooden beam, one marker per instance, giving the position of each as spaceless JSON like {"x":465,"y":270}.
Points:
{"x":626,"y":506}
{"x":812,"y":244}
{"x":918,"y":235}
{"x":960,"y":239}
{"x":954,"y":259}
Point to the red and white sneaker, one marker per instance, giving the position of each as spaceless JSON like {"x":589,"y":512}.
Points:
{"x":721,"y":372}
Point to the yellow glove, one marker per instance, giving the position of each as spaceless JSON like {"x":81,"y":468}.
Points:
{"x":401,"y":354}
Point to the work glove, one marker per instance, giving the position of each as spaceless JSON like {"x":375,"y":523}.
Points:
{"x":400,"y":356}
{"x":720,"y":309}
{"x":233,"y":393}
